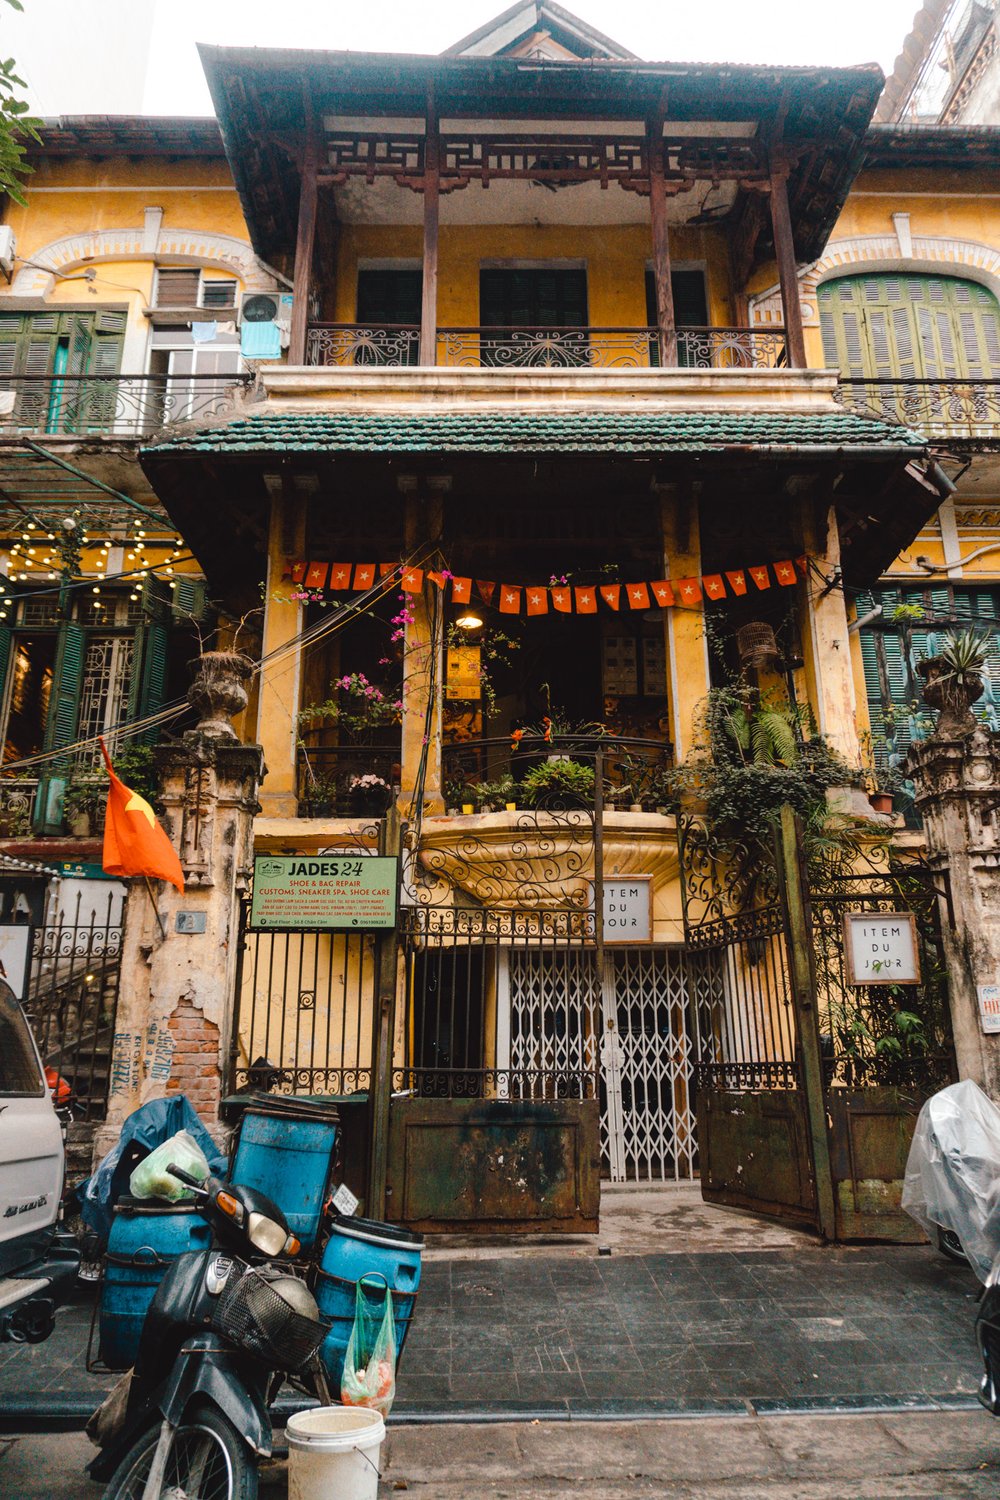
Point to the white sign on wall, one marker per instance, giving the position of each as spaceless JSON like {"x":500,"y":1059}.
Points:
{"x":628,"y":910}
{"x":989,"y":1007}
{"x":881,"y":947}
{"x":15,"y":946}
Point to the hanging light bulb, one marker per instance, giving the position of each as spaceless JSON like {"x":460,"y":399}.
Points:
{"x":31,"y":525}
{"x":95,"y":590}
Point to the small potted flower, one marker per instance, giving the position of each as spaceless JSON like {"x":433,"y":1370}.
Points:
{"x":369,"y":795}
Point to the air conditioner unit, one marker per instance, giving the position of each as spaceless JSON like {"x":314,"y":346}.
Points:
{"x":8,"y":249}
{"x":266,"y":307}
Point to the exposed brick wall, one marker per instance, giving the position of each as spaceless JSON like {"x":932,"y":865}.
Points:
{"x":196,"y":1064}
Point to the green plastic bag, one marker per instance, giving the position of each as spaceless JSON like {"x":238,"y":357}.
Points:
{"x":151,"y":1178}
{"x":369,"y":1377}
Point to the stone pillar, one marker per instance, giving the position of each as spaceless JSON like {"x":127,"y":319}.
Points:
{"x":826,"y":643}
{"x":957,"y":782}
{"x":179,"y":958}
{"x":687,"y":648}
{"x":279,"y":697}
{"x":423,"y":664}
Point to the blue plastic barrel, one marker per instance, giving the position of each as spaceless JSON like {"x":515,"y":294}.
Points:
{"x":145,"y":1240}
{"x":288,"y":1157}
{"x":357,"y":1248}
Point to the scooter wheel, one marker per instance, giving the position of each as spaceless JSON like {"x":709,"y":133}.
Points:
{"x":208,"y":1460}
{"x":950,"y":1245}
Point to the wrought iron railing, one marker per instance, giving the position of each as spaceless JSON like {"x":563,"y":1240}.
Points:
{"x":331,"y":785}
{"x":488,"y":774}
{"x":113,"y":405}
{"x":538,"y":347}
{"x":938,"y":408}
{"x":17,"y":799}
{"x":362,"y":344}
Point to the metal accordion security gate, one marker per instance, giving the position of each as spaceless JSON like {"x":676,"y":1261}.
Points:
{"x":512,"y":1006}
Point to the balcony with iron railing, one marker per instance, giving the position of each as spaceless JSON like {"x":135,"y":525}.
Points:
{"x":120,"y":406}
{"x":957,"y":411}
{"x":537,"y":347}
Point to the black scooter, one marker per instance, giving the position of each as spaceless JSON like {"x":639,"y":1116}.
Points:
{"x":225,"y":1328}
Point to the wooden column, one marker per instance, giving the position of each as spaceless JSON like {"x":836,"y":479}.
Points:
{"x":666,"y":328}
{"x":784,"y":254}
{"x":432,"y":181}
{"x":305,"y":240}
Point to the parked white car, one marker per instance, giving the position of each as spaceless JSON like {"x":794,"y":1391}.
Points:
{"x":37,"y":1265}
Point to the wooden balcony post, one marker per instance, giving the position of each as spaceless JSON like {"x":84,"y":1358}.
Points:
{"x":665,"y":325}
{"x":784,"y":254}
{"x":305,"y":239}
{"x":432,"y":179}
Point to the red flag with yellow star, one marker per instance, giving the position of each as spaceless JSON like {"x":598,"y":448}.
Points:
{"x":134,"y":842}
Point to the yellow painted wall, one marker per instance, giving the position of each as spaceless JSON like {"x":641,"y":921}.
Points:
{"x":616,"y":260}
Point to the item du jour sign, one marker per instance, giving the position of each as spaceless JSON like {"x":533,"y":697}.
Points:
{"x":628,"y":910}
{"x":881,"y":947}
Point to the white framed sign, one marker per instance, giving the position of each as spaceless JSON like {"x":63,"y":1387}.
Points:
{"x":881,"y":947}
{"x":989,"y":1007}
{"x":15,"y":950}
{"x":628,"y":909}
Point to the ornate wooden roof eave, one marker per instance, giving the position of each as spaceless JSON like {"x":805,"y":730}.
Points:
{"x":258,"y":96}
{"x":127,"y":135}
{"x":951,"y":147}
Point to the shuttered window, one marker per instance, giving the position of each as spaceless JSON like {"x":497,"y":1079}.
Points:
{"x":892,"y":646}
{"x":178,"y":287}
{"x":906,"y":327}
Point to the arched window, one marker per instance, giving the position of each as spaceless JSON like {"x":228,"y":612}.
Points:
{"x":902,"y":326}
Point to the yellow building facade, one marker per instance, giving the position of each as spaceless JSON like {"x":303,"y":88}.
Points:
{"x":588,"y":344}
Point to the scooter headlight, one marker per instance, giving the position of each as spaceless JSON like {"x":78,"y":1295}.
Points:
{"x":265,"y":1235}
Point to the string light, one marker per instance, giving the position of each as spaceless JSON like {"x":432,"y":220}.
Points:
{"x":31,"y":525}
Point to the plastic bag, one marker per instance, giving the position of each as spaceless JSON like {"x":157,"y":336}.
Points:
{"x":151,"y":1178}
{"x":369,"y":1377}
{"x":141,"y":1133}
{"x":953,"y":1172}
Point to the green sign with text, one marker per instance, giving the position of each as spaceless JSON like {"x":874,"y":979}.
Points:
{"x":296,"y":892}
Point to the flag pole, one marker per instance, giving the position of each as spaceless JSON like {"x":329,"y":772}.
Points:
{"x":156,"y":910}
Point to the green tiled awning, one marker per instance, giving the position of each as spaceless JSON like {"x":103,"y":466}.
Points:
{"x":492,"y":431}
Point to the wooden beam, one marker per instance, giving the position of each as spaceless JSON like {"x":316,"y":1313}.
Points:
{"x":432,"y":191}
{"x":305,"y":239}
{"x":784,"y":254}
{"x":665,"y":324}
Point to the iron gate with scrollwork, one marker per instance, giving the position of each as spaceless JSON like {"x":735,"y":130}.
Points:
{"x":879,"y":1051}
{"x":72,"y":995}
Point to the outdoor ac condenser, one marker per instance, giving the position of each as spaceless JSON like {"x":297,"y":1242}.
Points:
{"x":8,"y":250}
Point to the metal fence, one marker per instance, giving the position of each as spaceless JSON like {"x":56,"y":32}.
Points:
{"x":304,"y":1012}
{"x":113,"y":405}
{"x":72,"y":996}
{"x":883,"y":1035}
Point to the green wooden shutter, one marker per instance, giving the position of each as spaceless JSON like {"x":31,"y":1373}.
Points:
{"x":149,"y":683}
{"x":64,"y":705}
{"x":890,"y":326}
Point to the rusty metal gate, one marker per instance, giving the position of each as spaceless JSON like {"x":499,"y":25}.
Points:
{"x":494,"y":1120}
{"x":809,"y":1084}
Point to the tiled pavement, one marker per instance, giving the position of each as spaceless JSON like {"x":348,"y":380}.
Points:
{"x":644,"y":1334}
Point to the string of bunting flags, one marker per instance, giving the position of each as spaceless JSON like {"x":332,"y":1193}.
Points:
{"x":558,"y":594}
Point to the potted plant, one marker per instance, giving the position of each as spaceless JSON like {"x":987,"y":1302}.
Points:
{"x":321,"y":797}
{"x":369,"y":795}
{"x":953,"y":681}
{"x":83,"y":803}
{"x":559,"y":782}
{"x":494,"y":796}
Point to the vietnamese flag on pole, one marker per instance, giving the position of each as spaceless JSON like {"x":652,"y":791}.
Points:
{"x":134,"y":842}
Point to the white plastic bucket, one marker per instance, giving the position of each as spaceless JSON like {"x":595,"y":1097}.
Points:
{"x":333,"y":1453}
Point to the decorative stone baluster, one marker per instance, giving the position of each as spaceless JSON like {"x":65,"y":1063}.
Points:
{"x":956,"y":775}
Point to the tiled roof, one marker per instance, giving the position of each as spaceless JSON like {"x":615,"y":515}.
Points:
{"x":491,"y":431}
